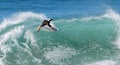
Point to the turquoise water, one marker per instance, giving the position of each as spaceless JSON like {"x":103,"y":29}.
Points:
{"x":84,"y":37}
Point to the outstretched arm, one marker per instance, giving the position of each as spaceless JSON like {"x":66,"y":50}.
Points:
{"x":38,"y":29}
{"x":50,"y":20}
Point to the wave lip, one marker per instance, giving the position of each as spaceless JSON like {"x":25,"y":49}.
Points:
{"x":116,"y":17}
{"x":14,"y":33}
{"x":19,"y":18}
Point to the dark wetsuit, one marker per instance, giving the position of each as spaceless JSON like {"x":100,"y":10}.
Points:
{"x":46,"y":22}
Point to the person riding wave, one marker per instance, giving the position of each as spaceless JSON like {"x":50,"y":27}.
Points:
{"x":45,"y":22}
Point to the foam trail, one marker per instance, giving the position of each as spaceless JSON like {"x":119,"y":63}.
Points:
{"x":57,"y":54}
{"x":1,"y":61}
{"x":38,"y":61}
{"x":19,"y":18}
{"x":104,"y":62}
{"x":30,"y":39}
{"x":12,"y":34}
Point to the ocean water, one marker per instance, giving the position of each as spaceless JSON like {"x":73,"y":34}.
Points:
{"x":88,"y":32}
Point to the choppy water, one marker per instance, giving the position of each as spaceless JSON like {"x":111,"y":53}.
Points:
{"x":85,"y":39}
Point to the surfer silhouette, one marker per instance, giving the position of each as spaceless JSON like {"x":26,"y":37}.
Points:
{"x":45,"y":22}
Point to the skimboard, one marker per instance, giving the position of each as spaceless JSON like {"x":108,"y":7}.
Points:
{"x":47,"y":29}
{"x":54,"y":29}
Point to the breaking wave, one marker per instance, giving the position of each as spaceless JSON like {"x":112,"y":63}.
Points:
{"x":90,"y":40}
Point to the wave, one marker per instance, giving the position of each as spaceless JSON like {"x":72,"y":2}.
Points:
{"x":77,"y":38}
{"x":110,"y":14}
{"x":12,"y":32}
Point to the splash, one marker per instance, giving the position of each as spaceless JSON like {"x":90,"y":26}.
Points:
{"x":116,"y":17}
{"x":19,"y":18}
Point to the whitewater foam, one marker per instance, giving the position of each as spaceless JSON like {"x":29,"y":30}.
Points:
{"x":12,"y":34}
{"x":26,"y":50}
{"x":116,"y":17}
{"x":56,"y":55}
{"x":30,"y":39}
{"x":19,"y":18}
{"x":16,"y":32}
{"x":1,"y":61}
{"x":104,"y":62}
